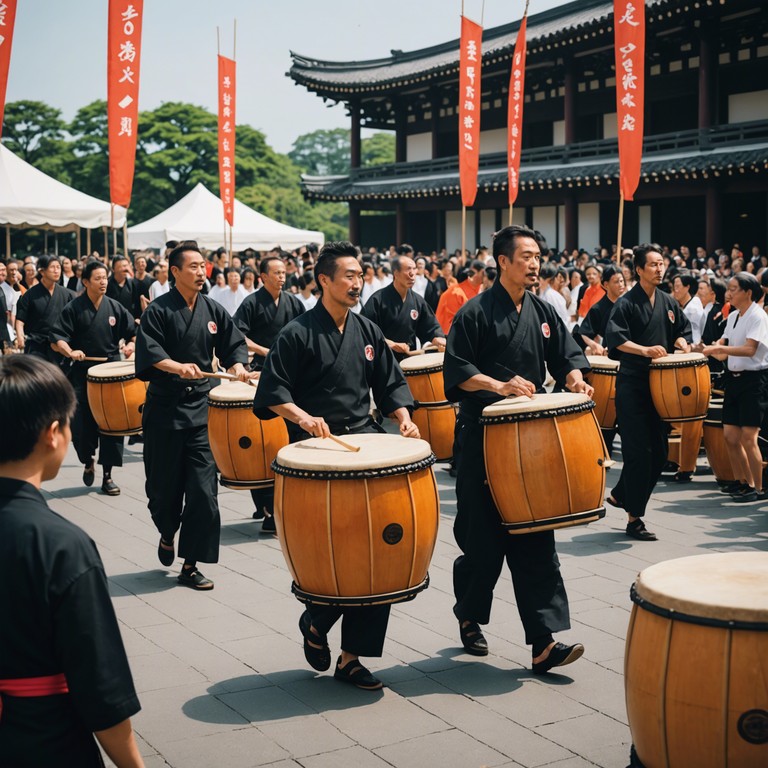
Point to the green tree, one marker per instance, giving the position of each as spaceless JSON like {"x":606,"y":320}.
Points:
{"x":36,"y":133}
{"x":322,"y":152}
{"x":90,"y":144}
{"x":378,"y":149}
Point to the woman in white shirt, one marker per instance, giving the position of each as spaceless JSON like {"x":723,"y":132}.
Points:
{"x":161,"y":284}
{"x":745,"y":346}
{"x":306,"y":286}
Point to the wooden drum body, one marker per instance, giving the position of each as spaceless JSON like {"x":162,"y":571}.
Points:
{"x":433,"y":414}
{"x":603,"y":378}
{"x":714,"y":444}
{"x":357,"y":528}
{"x":696,"y":663}
{"x":243,"y":446}
{"x":680,"y":386}
{"x":116,"y":397}
{"x":544,"y":457}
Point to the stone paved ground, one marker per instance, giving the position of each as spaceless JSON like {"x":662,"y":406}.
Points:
{"x":223,"y":682}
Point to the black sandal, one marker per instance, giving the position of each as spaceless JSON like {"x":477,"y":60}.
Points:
{"x":166,"y":553}
{"x":472,"y":639}
{"x":317,"y":658}
{"x":356,"y":674}
{"x":191,"y":577}
{"x":612,"y":501}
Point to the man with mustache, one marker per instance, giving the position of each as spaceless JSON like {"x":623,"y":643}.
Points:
{"x":501,"y":345}
{"x":318,"y":377}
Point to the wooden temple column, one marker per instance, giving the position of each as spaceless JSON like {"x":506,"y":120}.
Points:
{"x":713,"y":215}
{"x":569,"y":100}
{"x":571,"y":213}
{"x":434,"y":124}
{"x":401,"y":140}
{"x":354,"y":223}
{"x":707,"y":78}
{"x":354,"y":138}
{"x":400,"y":234}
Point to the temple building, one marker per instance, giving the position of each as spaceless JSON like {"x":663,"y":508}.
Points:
{"x":704,"y":177}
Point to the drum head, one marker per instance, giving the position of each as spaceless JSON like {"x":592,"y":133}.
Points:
{"x":691,"y":358}
{"x":232,"y":392}
{"x":526,"y":407}
{"x":125,"y":368}
{"x":422,"y":363}
{"x":725,"y":587}
{"x":601,"y":362}
{"x":377,"y":453}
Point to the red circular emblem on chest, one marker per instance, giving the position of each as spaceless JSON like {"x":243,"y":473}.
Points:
{"x":368,"y":352}
{"x":414,"y":314}
{"x":112,"y":321}
{"x":212,"y":327}
{"x":545,"y":330}
{"x":671,"y":316}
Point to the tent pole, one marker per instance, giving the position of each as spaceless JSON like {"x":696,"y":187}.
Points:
{"x":114,"y":243}
{"x":45,"y":241}
{"x":79,"y":244}
{"x":56,"y":243}
{"x":87,"y":243}
{"x":125,"y":236}
{"x":7,"y":242}
{"x":106,"y":246}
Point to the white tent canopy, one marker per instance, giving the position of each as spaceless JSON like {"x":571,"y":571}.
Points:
{"x":199,"y":216}
{"x":30,"y":198}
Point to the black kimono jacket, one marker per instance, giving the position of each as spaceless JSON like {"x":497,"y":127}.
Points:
{"x":95,"y":332}
{"x":128,"y":294}
{"x":260,"y":319}
{"x":5,"y":337}
{"x":169,"y":330}
{"x":403,"y":321}
{"x":596,"y":321}
{"x":329,"y":374}
{"x":489,"y":337}
{"x":633,"y":319}
{"x":39,"y":310}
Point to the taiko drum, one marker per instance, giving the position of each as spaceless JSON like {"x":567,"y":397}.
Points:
{"x":433,"y":414}
{"x":116,"y":397}
{"x":714,"y":443}
{"x":696,"y":662}
{"x":545,"y":461}
{"x":603,"y":378}
{"x":357,"y":528}
{"x":680,"y":386}
{"x":243,"y":446}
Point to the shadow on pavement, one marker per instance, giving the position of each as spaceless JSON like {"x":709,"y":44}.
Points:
{"x":146,"y":582}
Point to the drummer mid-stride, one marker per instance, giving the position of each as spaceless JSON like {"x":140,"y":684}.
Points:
{"x":318,"y":377}
{"x":500,"y":345}
{"x":645,"y":323}
{"x":92,"y":325}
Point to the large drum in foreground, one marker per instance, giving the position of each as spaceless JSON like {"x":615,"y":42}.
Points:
{"x":357,"y":528}
{"x":433,"y":414}
{"x":116,"y":397}
{"x":544,"y":457}
{"x":243,"y":446}
{"x":714,"y":443}
{"x":696,"y":664}
{"x":603,"y":378}
{"x":680,"y":386}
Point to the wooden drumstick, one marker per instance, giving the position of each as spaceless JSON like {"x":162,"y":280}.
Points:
{"x":95,"y":359}
{"x":225,"y":376}
{"x":348,"y":446}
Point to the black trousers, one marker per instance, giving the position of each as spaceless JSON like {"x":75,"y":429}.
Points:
{"x":644,"y":443}
{"x":85,"y":433}
{"x":363,"y":629}
{"x":264,"y":497}
{"x":532,"y":560}
{"x":181,"y":488}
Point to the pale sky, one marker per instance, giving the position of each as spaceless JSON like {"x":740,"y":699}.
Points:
{"x":59,"y":50}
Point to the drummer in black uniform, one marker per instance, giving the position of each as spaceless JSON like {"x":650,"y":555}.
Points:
{"x":261,"y":316}
{"x":93,"y":325}
{"x":645,"y":323}
{"x":500,"y":345}
{"x":124,"y":288}
{"x":402,"y":314}
{"x":39,"y":308}
{"x":592,"y":330}
{"x":176,"y":341}
{"x":318,"y":376}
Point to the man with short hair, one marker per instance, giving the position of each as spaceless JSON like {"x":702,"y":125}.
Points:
{"x":39,"y":309}
{"x":234,"y":294}
{"x":402,"y":314}
{"x":175,"y":345}
{"x":93,"y":325}
{"x":123,"y":288}
{"x":8,"y":301}
{"x":592,"y":329}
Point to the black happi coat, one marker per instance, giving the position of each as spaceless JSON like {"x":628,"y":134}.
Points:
{"x":57,"y":618}
{"x":634,"y":319}
{"x":329,"y":374}
{"x":170,"y":330}
{"x":128,"y":294}
{"x":39,"y":310}
{"x":95,"y":332}
{"x":402,"y":321}
{"x":489,"y":337}
{"x":261,"y":320}
{"x":4,"y":335}
{"x":596,"y":321}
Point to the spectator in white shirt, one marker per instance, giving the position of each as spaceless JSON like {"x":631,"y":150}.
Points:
{"x":371,"y":283}
{"x":684,"y":288}
{"x":161,"y":284}
{"x":552,"y":279}
{"x":307,"y":285}
{"x":422,"y":281}
{"x":249,"y":280}
{"x":232,"y":294}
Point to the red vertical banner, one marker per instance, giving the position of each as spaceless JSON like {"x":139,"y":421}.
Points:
{"x":515,"y":112}
{"x":227,"y":137}
{"x":629,"y":26}
{"x":7,"y":19}
{"x":123,"y":64}
{"x":470,"y":60}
